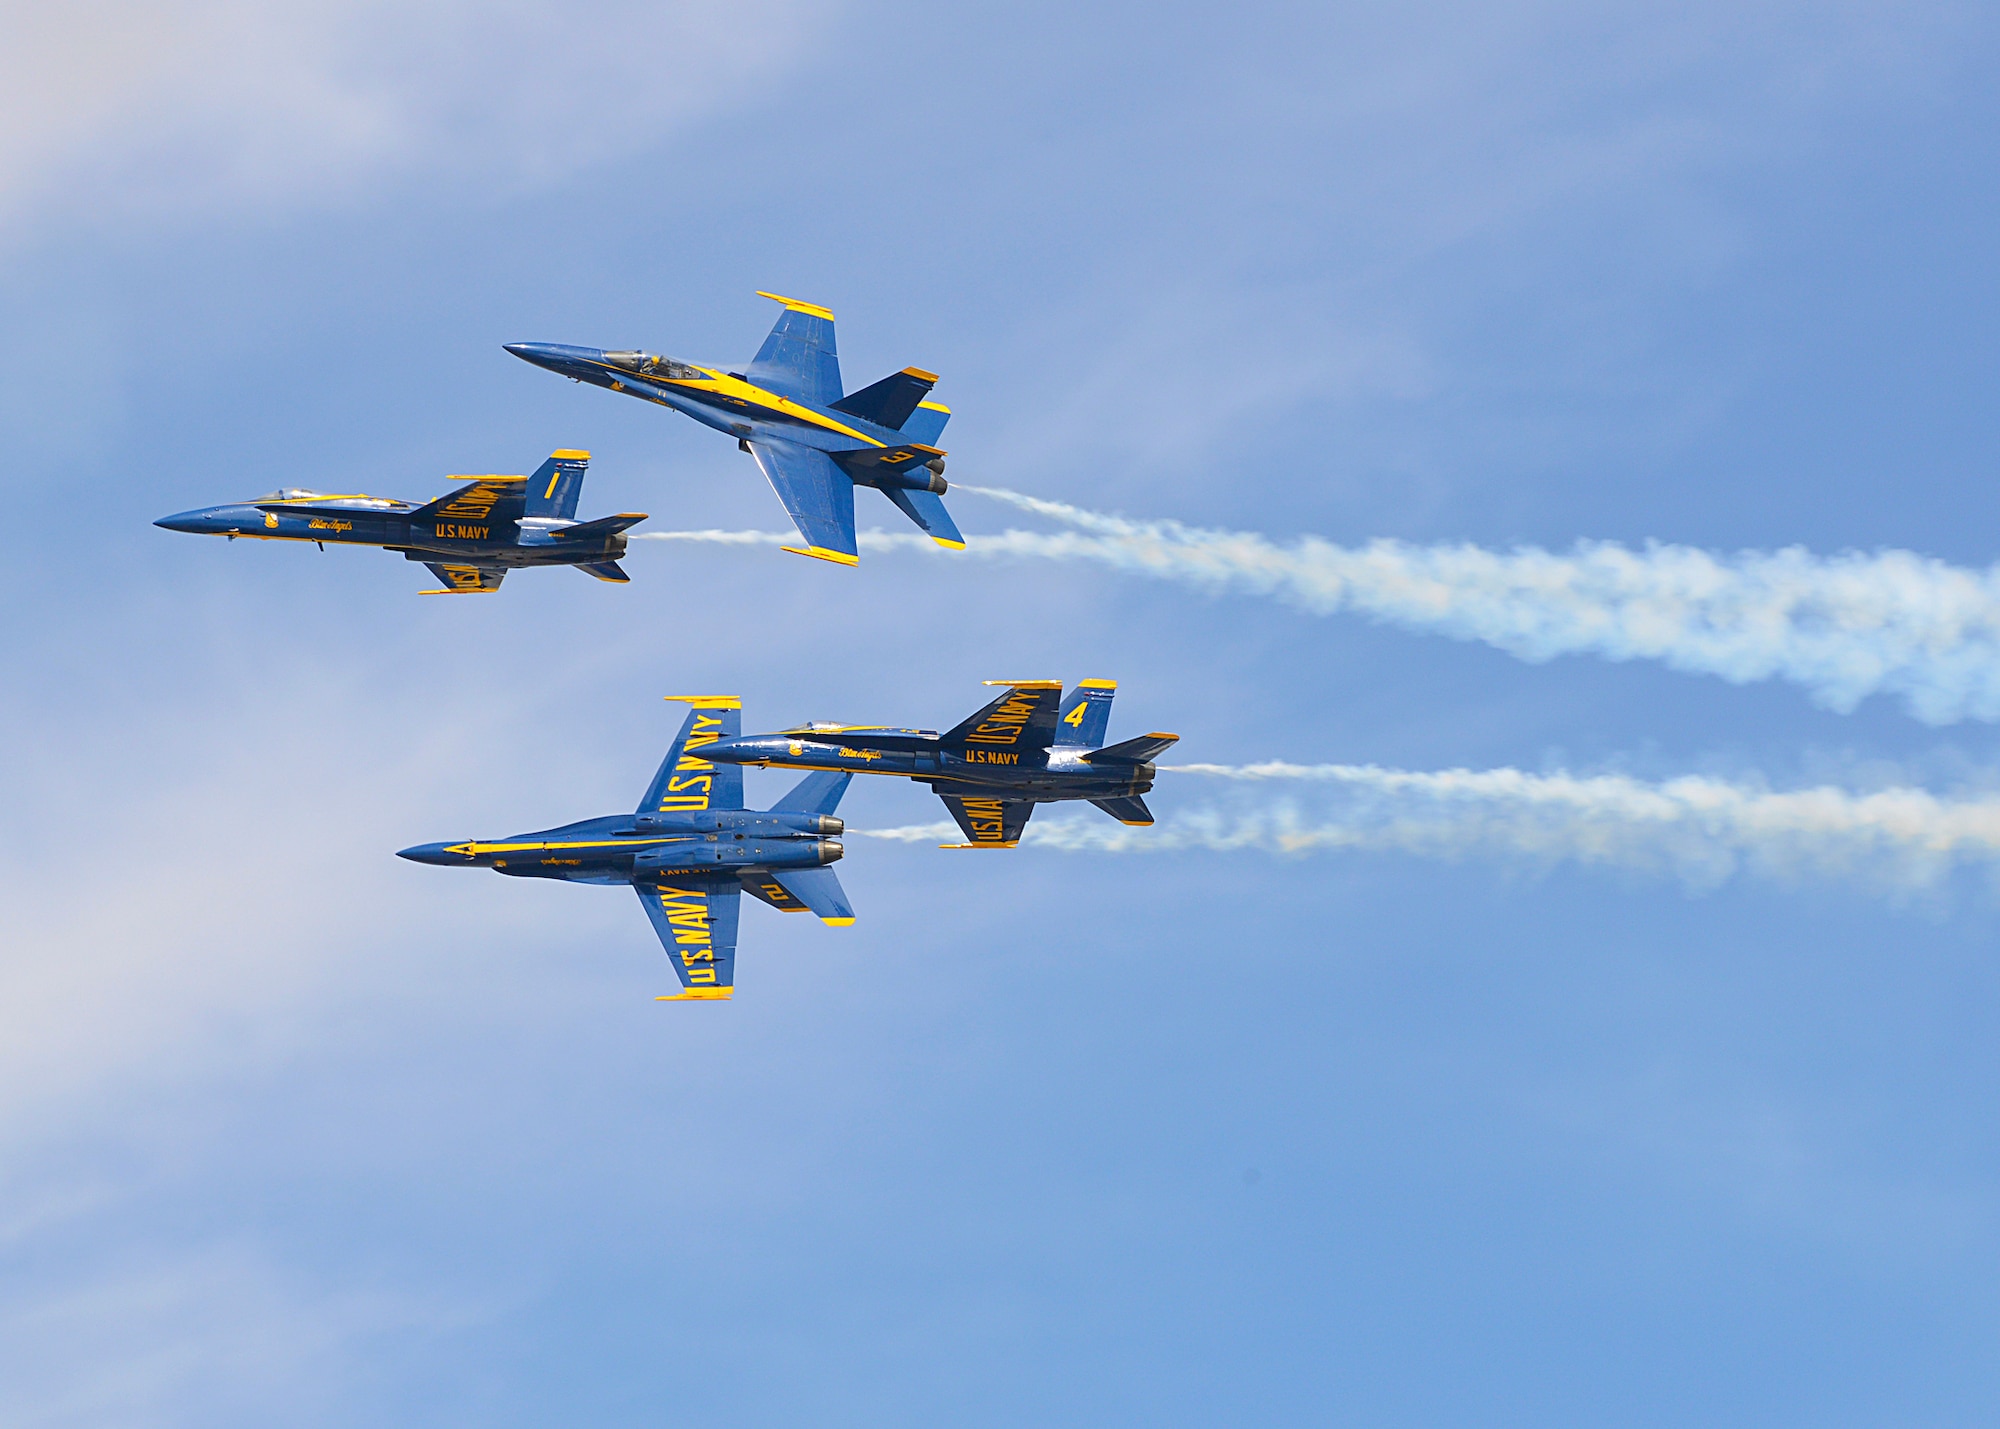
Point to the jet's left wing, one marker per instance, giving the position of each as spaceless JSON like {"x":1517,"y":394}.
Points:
{"x":696,"y":921}
{"x":988,"y":823}
{"x":817,"y":493}
{"x":460,"y":579}
{"x":798,"y":359}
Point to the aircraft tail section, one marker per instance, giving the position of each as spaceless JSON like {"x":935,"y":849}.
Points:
{"x":1134,"y":751}
{"x":1129,"y":810}
{"x":1086,"y":714}
{"x":605,"y":571}
{"x":927,"y":510}
{"x":602,"y":529}
{"x":802,"y":890}
{"x":817,"y":793}
{"x":1021,"y":721}
{"x":892,"y":401}
{"x":926,"y":424}
{"x":557,"y":483}
{"x":687,"y":783}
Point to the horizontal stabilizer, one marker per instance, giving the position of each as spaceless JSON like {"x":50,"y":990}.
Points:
{"x":597,"y":530}
{"x":890,"y":402}
{"x":820,"y":891}
{"x":817,"y":793}
{"x":466,"y":580}
{"x":1133,"y":751}
{"x":489,"y":501}
{"x":924,"y":508}
{"x":605,"y":571}
{"x":1129,"y":810}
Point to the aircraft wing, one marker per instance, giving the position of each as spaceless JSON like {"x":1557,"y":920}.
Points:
{"x":466,"y":579}
{"x":802,"y":890}
{"x":696,"y":921}
{"x":988,"y":823}
{"x":817,"y":493}
{"x":798,"y":358}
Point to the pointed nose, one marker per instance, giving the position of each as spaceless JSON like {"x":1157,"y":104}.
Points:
{"x":552,"y":355}
{"x":197,"y":522}
{"x":432,"y":853}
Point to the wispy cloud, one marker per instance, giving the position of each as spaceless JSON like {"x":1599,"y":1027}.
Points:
{"x":1700,"y":829}
{"x":183,"y":105}
{"x":1843,"y":627}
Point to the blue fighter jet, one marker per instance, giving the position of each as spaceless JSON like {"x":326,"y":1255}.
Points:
{"x":786,"y":410}
{"x":689,"y":851}
{"x":470,"y":537}
{"x":1028,"y":746}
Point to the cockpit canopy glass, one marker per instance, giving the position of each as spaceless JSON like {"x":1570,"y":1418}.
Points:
{"x":647,"y":365}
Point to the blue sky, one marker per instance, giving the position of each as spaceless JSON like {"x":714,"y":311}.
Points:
{"x":293,"y":1131}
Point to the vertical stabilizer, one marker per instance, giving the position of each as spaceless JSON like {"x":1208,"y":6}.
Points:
{"x":556,"y":485}
{"x":687,"y":783}
{"x":1086,"y":714}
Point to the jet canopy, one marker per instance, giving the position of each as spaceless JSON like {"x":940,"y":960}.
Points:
{"x":300,"y":493}
{"x":646,"y":364}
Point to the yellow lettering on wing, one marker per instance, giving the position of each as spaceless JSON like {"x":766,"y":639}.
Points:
{"x":1005,"y":724}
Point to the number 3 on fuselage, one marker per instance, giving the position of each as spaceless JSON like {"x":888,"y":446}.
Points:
{"x":814,"y":444}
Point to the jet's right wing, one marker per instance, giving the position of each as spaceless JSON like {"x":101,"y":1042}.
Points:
{"x":462,"y":579}
{"x":817,"y":493}
{"x":696,"y":921}
{"x":988,"y":823}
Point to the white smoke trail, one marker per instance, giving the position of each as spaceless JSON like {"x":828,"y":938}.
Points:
{"x":1703,"y":830}
{"x":1843,"y":626}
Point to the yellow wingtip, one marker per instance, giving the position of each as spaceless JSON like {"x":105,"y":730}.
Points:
{"x":812,"y":309}
{"x":821,"y":553}
{"x":949,"y":545}
{"x":838,"y":922}
{"x":698,"y":994}
{"x":1015,"y":844}
{"x":709,"y":702}
{"x":1027,"y":684}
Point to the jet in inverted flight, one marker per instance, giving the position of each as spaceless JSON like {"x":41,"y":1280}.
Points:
{"x":470,"y":538}
{"x":1029,"y":746}
{"x":689,"y":851}
{"x":786,"y":409}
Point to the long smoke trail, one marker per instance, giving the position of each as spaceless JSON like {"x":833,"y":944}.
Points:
{"x":1700,"y":829}
{"x":1843,"y":626}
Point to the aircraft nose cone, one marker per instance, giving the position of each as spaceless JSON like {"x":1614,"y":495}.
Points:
{"x":431,"y":853}
{"x":195,"y":521}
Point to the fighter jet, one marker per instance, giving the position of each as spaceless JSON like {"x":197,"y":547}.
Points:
{"x":470,"y":538}
{"x":787,"y":411}
{"x":689,"y":851}
{"x":1029,"y":746}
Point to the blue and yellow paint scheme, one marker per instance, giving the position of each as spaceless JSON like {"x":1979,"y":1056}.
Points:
{"x":690,"y":851}
{"x":470,"y":537}
{"x":1026,"y":746}
{"x":786,"y":409}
